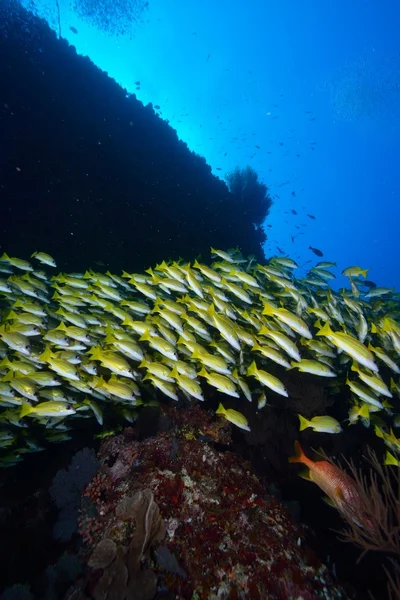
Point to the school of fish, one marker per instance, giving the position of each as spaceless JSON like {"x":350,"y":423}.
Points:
{"x":76,"y":345}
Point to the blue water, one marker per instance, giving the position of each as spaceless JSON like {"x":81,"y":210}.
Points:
{"x":306,"y":92}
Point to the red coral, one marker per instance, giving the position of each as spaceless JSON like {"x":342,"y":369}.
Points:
{"x":225,"y":531}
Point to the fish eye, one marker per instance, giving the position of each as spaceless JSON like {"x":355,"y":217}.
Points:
{"x":27,"y":347}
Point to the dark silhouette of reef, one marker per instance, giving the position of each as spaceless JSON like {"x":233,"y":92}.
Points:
{"x":250,"y":193}
{"x":88,"y":174}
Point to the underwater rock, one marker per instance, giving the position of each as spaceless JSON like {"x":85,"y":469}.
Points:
{"x":225,"y":535}
{"x":142,"y":586}
{"x":113,"y":583}
{"x":17,"y":592}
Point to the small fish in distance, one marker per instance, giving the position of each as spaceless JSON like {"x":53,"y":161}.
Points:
{"x":316,"y":251}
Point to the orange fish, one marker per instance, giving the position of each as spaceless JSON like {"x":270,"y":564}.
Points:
{"x":341,"y":489}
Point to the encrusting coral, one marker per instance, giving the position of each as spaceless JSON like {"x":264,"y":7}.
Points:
{"x":179,"y":516}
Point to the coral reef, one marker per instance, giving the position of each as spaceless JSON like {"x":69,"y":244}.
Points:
{"x":181,"y":517}
{"x":250,"y":193}
{"x":99,"y":176}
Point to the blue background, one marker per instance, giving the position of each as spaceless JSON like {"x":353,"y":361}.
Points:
{"x":314,"y":84}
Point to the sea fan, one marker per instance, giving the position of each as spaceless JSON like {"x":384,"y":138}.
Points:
{"x":66,"y":490}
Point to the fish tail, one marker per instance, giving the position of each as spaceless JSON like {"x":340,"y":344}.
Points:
{"x":8,"y":376}
{"x":299,"y":456}
{"x":11,"y":315}
{"x":98,"y":382}
{"x":304,"y":423}
{"x":211,"y":310}
{"x":391,"y":460}
{"x":220,"y":410}
{"x":46,"y":355}
{"x":252,"y":370}
{"x":325,"y":329}
{"x":268,"y":309}
{"x":25,"y":409}
{"x":174,"y":372}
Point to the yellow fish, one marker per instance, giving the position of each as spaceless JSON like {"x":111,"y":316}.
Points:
{"x":233,"y":416}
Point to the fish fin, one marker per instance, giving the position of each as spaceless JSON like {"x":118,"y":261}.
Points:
{"x":46,"y":355}
{"x":252,"y":369}
{"x":304,"y":423}
{"x":211,"y":310}
{"x":11,"y":315}
{"x":98,"y":382}
{"x":364,"y":411}
{"x":8,"y":376}
{"x":110,"y":339}
{"x":305,"y":474}
{"x":325,"y":329}
{"x":390,"y":459}
{"x":329,"y":501}
{"x":268,"y":309}
{"x":25,"y":409}
{"x":95,"y":353}
{"x":299,"y":455}
{"x":145,"y":337}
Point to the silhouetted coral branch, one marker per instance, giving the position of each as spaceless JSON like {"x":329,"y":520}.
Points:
{"x":393,"y":580}
{"x":380,"y":493}
{"x":250,"y":192}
